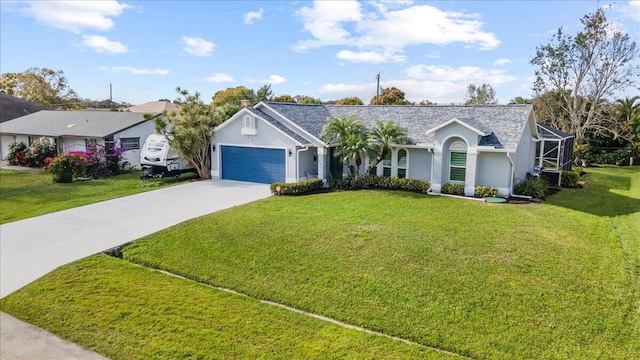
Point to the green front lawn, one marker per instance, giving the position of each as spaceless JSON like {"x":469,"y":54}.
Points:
{"x":555,"y":280}
{"x":128,"y":312}
{"x":26,"y":194}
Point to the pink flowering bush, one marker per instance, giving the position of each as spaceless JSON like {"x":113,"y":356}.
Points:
{"x":65,"y":167}
{"x":100,"y":164}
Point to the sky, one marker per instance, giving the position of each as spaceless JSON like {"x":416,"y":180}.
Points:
{"x":324,"y":49}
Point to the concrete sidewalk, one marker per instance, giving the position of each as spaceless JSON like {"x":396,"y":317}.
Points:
{"x":22,"y":341}
{"x":33,"y":247}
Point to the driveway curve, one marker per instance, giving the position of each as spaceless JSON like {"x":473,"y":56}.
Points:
{"x":33,"y":247}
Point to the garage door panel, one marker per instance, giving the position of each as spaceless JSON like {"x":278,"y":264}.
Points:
{"x":261,"y":165}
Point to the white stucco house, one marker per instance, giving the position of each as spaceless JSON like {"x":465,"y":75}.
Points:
{"x":74,"y":130}
{"x":491,"y":145}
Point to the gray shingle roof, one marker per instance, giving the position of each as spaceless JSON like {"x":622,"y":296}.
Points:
{"x":97,"y":124}
{"x":502,"y":125}
{"x":12,"y":107}
{"x":279,"y":125}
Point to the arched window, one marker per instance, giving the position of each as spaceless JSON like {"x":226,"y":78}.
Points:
{"x":402,"y":163}
{"x":457,"y":161}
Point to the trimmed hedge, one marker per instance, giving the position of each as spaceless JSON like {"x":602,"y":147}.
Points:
{"x":391,"y":183}
{"x":363,"y":182}
{"x":485,"y":191}
{"x":298,"y":188}
{"x":453,"y":189}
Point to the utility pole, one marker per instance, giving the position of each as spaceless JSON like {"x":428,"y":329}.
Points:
{"x":377,"y":88}
{"x":110,"y":97}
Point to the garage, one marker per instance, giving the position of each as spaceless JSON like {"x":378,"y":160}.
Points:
{"x":253,"y":164}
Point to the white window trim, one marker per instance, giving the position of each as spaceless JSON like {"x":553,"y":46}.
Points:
{"x":458,"y":146}
{"x":130,"y":138}
{"x":406,"y":165}
{"x":249,"y":125}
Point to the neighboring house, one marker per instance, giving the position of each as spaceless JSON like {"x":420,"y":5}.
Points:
{"x":12,"y":107}
{"x":154,"y":107}
{"x":74,"y":130}
{"x":492,"y":145}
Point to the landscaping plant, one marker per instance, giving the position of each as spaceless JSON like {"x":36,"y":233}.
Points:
{"x":533,"y":186}
{"x":65,"y":167}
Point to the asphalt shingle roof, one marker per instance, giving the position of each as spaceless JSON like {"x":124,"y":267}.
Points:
{"x":12,"y":107}
{"x":279,"y":125}
{"x":502,"y":125}
{"x":97,"y":124}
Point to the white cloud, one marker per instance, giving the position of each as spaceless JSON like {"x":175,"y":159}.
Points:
{"x":434,"y":55}
{"x":462,"y":74}
{"x":370,"y":56}
{"x":275,"y":79}
{"x":103,"y":45}
{"x":76,"y":16}
{"x":501,"y":61}
{"x":133,"y":71}
{"x":634,"y":7}
{"x":415,"y":91}
{"x":197,"y":46}
{"x":441,"y":84}
{"x":389,"y":29}
{"x":219,"y":78}
{"x":325,"y":23}
{"x":252,"y":15}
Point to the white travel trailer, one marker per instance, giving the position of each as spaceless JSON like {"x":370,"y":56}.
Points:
{"x":159,"y":160}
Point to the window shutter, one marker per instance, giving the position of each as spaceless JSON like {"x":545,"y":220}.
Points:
{"x":458,"y":158}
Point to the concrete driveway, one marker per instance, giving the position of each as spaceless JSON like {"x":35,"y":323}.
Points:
{"x":33,"y":247}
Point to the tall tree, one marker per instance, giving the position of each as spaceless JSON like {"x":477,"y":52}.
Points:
{"x":233,"y":96}
{"x":284,"y":99}
{"x":480,"y":95}
{"x":585,"y":68}
{"x":626,"y":118}
{"x":519,"y":100}
{"x":264,"y":93}
{"x":390,"y":96}
{"x":190,"y":130}
{"x":304,"y":99}
{"x":350,"y":101}
{"x":41,"y":85}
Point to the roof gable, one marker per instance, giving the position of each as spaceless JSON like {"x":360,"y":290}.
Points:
{"x":98,"y":124}
{"x":456,"y":121}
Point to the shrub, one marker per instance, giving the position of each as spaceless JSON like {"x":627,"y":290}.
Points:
{"x":532,"y":186}
{"x":15,"y":154}
{"x":369,"y":181}
{"x":569,"y":178}
{"x":339,"y":182}
{"x":99,"y":163}
{"x":298,"y":188}
{"x":485,"y":191}
{"x":38,"y":152}
{"x":65,"y":167}
{"x":602,"y":156}
{"x":453,"y":189}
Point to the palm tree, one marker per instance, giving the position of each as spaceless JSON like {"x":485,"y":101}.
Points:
{"x":628,"y":112}
{"x":383,"y":136}
{"x":351,"y":137}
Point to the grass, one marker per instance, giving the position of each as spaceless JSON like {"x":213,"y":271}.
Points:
{"x":557,"y":280}
{"x":129,"y":312}
{"x":26,"y":194}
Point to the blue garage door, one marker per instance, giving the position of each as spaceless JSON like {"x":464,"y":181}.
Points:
{"x":253,"y":164}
